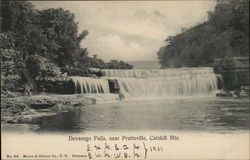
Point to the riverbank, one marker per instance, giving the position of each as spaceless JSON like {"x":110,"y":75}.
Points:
{"x":23,"y":109}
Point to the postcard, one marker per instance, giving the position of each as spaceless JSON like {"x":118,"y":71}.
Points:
{"x":124,"y":80}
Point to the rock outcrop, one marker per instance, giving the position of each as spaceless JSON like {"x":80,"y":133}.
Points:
{"x":22,"y":110}
{"x":10,"y":70}
{"x":235,"y":71}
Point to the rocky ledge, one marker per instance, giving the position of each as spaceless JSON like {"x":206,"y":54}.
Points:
{"x":24,"y":109}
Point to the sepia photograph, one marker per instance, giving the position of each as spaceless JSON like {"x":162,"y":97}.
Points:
{"x":151,"y":76}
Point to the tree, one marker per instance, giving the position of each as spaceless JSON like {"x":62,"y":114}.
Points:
{"x":19,"y":22}
{"x":115,"y":64}
{"x":50,"y":33}
{"x":61,"y":30}
{"x":225,"y":34}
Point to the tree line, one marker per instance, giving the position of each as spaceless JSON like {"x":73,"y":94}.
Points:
{"x":225,"y":34}
{"x":50,"y":33}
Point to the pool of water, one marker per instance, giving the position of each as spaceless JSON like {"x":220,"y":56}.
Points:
{"x":218,"y":115}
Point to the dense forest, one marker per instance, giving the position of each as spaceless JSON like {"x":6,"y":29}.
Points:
{"x":224,"y":34}
{"x":49,"y":33}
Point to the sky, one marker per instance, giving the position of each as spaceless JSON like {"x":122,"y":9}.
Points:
{"x":131,"y":30}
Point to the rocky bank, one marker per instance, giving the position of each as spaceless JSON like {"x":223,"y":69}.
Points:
{"x":23,"y":109}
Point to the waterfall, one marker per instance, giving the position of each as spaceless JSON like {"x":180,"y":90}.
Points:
{"x":165,"y":82}
{"x":90,"y":85}
{"x":220,"y":81}
{"x":161,"y":83}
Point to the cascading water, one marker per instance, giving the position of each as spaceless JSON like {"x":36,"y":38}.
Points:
{"x":164,"y":82}
{"x":220,"y":83}
{"x":152,"y":83}
{"x":90,"y":85}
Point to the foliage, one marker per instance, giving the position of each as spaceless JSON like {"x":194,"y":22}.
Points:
{"x":10,"y":69}
{"x":61,"y":30}
{"x":19,"y":20}
{"x":115,"y":64}
{"x":39,"y":65}
{"x":225,"y":34}
{"x":95,"y":62}
{"x":11,"y":64}
{"x":50,"y":33}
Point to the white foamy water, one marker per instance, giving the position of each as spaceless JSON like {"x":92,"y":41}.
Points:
{"x":90,"y":85}
{"x":165,"y":82}
{"x":153,"y":83}
{"x":143,"y":73}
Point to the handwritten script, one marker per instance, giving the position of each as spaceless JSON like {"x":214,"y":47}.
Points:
{"x":121,"y":151}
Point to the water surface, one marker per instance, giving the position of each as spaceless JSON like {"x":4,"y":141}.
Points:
{"x":220,"y":115}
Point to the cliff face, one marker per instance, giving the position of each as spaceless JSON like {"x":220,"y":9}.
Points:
{"x":10,"y":70}
{"x":235,"y":71}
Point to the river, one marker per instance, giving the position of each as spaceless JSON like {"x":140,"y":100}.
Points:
{"x":201,"y":114}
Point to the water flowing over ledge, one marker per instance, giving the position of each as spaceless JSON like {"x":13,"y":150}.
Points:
{"x":90,"y":85}
{"x":152,"y":83}
{"x":143,"y":73}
